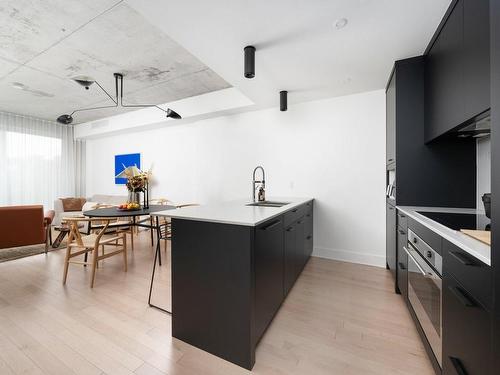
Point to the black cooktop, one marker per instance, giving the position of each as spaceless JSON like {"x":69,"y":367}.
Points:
{"x":458,"y":221}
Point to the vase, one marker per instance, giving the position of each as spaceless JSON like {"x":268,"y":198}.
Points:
{"x":134,"y":197}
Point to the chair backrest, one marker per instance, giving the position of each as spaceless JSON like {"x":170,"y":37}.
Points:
{"x":21,"y":226}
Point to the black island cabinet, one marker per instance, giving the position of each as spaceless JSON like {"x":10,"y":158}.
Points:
{"x":229,"y":280}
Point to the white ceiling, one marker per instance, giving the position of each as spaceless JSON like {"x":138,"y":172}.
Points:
{"x":175,"y":49}
{"x":43,"y":44}
{"x":298,"y":47}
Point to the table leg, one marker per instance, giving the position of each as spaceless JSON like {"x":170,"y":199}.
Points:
{"x":157,"y":257}
{"x":158,"y":242}
{"x":151,"y":230}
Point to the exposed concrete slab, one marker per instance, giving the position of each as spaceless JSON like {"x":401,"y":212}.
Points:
{"x":28,"y":27}
{"x":156,"y":68}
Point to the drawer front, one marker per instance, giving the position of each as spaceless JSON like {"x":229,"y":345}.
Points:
{"x":402,"y":265}
{"x":402,"y":219}
{"x":294,"y":214}
{"x":432,"y":239}
{"x":474,"y":275}
{"x":466,"y":331}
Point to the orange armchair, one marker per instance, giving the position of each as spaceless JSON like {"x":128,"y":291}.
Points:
{"x":25,"y":225}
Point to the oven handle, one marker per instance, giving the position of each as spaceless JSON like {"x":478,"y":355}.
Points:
{"x":415,"y":261}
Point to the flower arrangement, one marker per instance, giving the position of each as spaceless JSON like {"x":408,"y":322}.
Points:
{"x":137,"y":183}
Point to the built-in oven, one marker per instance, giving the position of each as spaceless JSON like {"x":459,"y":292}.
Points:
{"x":425,"y":289}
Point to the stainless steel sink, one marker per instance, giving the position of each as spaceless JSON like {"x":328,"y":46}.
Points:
{"x":268,"y":204}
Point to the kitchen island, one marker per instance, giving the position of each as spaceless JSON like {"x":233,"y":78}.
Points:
{"x":232,"y":267}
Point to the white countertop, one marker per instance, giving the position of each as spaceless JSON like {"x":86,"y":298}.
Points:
{"x":474,"y":247}
{"x":234,"y":212}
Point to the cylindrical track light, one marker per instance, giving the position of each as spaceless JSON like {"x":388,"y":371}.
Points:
{"x":283,"y":100}
{"x":249,"y":61}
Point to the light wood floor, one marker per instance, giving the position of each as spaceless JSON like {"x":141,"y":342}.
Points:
{"x":340,"y":318}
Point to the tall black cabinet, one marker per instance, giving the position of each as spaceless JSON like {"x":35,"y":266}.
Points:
{"x":495,"y":174}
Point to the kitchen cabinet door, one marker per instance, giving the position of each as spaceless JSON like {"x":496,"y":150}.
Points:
{"x":269,"y":272}
{"x":300,"y":246}
{"x":390,"y":130}
{"x":466,"y":331}
{"x":290,"y":258}
{"x":391,"y":238}
{"x":308,"y":233}
{"x":444,"y":81}
{"x":476,"y":57}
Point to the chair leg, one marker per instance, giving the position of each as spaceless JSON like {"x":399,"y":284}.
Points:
{"x":151,"y":229}
{"x":125,"y":251}
{"x":94,"y":266}
{"x":131,"y":239}
{"x":66,"y":265}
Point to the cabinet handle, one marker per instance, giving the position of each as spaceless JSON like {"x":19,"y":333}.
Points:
{"x":391,"y":159}
{"x":289,"y":229}
{"x":402,"y":266}
{"x":309,"y":237}
{"x":402,"y":216}
{"x":464,"y":300}
{"x":459,"y":367}
{"x":271,"y":225}
{"x":462,"y":258}
{"x":308,"y":215}
{"x":299,"y":222}
{"x":295,"y":210}
{"x":401,"y":231}
{"x":391,"y":208}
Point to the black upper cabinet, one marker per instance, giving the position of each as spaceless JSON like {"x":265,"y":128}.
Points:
{"x":390,"y":105}
{"x":444,"y":97}
{"x":457,"y":69}
{"x":476,"y":57}
{"x":268,"y":272}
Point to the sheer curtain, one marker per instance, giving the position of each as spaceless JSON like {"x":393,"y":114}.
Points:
{"x":40,"y":161}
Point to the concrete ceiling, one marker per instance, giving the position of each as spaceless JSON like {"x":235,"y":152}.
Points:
{"x":43,"y":44}
{"x":170,"y":50}
{"x":298,"y":46}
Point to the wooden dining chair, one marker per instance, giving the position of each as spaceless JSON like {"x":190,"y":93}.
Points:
{"x":80,"y":245}
{"x":117,"y":225}
{"x":149,"y":219}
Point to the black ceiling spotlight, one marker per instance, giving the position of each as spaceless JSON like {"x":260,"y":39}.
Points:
{"x":249,"y":61}
{"x":283,"y":100}
{"x":117,"y":100}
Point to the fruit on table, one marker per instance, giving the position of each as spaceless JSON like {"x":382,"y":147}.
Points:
{"x":129,"y":206}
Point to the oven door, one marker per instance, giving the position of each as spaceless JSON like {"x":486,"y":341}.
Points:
{"x":424,"y":294}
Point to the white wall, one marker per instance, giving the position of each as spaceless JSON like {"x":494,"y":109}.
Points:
{"x":332,"y":150}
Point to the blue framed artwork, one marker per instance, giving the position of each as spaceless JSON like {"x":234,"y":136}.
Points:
{"x":123,"y":161}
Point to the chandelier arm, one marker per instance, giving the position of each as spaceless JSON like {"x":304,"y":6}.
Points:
{"x":132,"y":105}
{"x":102,"y":88}
{"x":90,"y":109}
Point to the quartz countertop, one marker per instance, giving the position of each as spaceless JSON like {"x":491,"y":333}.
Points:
{"x":472,"y":246}
{"x":234,"y":212}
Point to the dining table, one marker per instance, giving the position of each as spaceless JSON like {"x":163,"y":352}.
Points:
{"x":115,"y":212}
